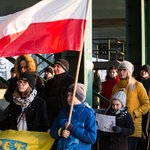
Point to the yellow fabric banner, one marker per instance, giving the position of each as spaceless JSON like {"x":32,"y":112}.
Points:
{"x":25,"y":140}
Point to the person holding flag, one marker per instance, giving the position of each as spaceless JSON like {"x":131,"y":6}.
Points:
{"x":81,"y":132}
{"x":43,"y":29}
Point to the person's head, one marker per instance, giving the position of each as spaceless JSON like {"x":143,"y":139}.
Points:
{"x":80,"y":93}
{"x":112,"y":72}
{"x":145,"y":71}
{"x":125,"y":70}
{"x":61,"y":66}
{"x":118,"y":100}
{"x":24,"y":63}
{"x":23,"y":66}
{"x":48,"y":72}
{"x":26,"y":82}
{"x":12,"y":72}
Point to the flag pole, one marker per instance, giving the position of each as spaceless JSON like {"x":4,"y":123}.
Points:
{"x":77,"y":73}
{"x":75,"y":85}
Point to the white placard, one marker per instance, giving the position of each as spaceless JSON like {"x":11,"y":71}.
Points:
{"x":105,"y":122}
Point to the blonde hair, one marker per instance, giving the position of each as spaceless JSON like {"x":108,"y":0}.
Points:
{"x":131,"y":83}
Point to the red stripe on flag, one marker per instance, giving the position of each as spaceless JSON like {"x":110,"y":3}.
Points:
{"x":45,"y":38}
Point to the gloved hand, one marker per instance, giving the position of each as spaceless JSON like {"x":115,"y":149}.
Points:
{"x":116,"y":129}
{"x":70,"y":127}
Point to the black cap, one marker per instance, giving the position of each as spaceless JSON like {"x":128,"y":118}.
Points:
{"x":29,"y":77}
{"x":146,"y":68}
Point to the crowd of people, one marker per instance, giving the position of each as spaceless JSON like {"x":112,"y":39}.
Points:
{"x":43,"y":104}
{"x":120,"y":78}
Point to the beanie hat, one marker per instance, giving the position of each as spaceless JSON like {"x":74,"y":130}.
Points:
{"x":63,"y":63}
{"x":80,"y":91}
{"x":121,"y":96}
{"x":146,"y":68}
{"x":49,"y":69}
{"x":127,"y":65}
{"x":29,"y":77}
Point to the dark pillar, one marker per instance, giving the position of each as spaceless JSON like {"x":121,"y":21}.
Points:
{"x":133,"y":33}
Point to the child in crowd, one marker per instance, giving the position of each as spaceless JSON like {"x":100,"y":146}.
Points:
{"x":107,"y":86}
{"x":137,"y":99}
{"x":118,"y":140}
{"x":81,"y":132}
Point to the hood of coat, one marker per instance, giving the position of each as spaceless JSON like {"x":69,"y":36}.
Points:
{"x":30,"y":63}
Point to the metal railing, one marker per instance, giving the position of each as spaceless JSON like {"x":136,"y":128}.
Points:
{"x":109,"y":49}
{"x":101,"y":97}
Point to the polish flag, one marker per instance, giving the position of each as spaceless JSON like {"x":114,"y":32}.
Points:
{"x":50,"y":26}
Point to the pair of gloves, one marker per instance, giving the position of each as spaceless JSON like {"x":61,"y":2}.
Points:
{"x":116,"y":129}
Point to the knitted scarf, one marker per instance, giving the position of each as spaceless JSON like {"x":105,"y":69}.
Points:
{"x":25,"y":102}
{"x":121,"y":113}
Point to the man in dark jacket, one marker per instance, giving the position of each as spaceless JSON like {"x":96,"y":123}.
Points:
{"x":56,"y":89}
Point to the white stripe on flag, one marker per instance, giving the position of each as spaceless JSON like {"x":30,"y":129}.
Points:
{"x":50,"y":26}
{"x":44,"y":11}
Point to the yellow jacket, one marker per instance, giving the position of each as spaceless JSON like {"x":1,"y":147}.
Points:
{"x":137,"y":102}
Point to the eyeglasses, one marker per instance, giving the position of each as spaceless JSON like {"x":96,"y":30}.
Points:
{"x":22,"y":82}
{"x":123,"y":70}
{"x":25,"y":67}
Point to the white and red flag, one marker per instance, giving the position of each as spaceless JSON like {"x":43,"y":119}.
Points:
{"x":50,"y":26}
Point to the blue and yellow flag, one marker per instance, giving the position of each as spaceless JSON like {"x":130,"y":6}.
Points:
{"x":25,"y":140}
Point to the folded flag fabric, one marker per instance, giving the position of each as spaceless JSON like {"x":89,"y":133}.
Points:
{"x":25,"y":140}
{"x":50,"y":26}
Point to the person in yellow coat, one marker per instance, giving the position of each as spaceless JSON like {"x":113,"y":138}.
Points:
{"x":137,"y":99}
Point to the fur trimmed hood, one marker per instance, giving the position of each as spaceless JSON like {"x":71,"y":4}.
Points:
{"x":30,"y":61}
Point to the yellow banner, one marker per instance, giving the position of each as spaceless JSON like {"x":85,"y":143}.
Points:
{"x":25,"y":140}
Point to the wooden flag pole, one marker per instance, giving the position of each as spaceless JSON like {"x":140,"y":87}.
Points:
{"x":75,"y":85}
{"x":77,"y":73}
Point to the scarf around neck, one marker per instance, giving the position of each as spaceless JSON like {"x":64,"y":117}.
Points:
{"x":121,"y":113}
{"x":123,"y":83}
{"x":26,"y":101}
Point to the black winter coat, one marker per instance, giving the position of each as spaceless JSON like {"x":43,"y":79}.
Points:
{"x":146,"y":83}
{"x":56,"y":94}
{"x":36,"y":115}
{"x":118,"y":141}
